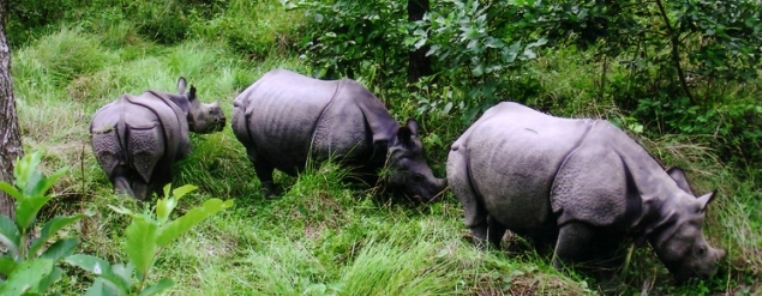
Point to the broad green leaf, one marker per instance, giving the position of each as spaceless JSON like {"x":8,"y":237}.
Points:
{"x":99,"y":267}
{"x":10,"y":190}
{"x":27,"y":210}
{"x":47,"y":281}
{"x":7,"y":265}
{"x":9,"y":233}
{"x":50,"y":228}
{"x":102,"y":287}
{"x":124,"y":272}
{"x":181,"y":225}
{"x":182,"y":191}
{"x":158,"y":287}
{"x":164,"y":207}
{"x":167,"y":189}
{"x":34,"y":179}
{"x":141,"y":242}
{"x":26,"y":276}
{"x":121,"y":210}
{"x":60,"y":249}
{"x":24,"y":168}
{"x":43,"y":187}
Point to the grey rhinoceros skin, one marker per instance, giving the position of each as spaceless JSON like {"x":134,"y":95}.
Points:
{"x":285,"y":118}
{"x":137,"y":139}
{"x":581,"y":184}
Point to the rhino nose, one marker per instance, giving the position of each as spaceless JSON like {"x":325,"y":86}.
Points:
{"x":720,"y":253}
{"x":441,"y":183}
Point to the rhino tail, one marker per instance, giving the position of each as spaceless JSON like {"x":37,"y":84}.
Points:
{"x":121,"y":135}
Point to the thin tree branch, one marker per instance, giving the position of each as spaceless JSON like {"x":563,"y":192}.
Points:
{"x":674,"y":38}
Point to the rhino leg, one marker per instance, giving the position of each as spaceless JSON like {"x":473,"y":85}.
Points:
{"x":141,"y":189}
{"x":121,"y":182}
{"x":593,"y":248}
{"x":495,"y":232}
{"x":460,"y":184}
{"x":264,"y":171}
{"x":575,"y":240}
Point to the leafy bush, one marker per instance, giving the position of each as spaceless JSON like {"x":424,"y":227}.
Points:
{"x":28,"y":266}
{"x":347,"y":38}
{"x":479,"y":46}
{"x":147,"y":236}
{"x":678,"y":60}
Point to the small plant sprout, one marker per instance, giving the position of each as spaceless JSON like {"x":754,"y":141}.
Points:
{"x":147,"y":236}
{"x":28,"y":267}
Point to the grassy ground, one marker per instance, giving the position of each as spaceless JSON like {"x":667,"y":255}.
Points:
{"x":322,"y":237}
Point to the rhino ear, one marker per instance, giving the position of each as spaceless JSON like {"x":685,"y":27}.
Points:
{"x":678,"y":175}
{"x":412,"y":125}
{"x":181,"y":85}
{"x":706,"y":199}
{"x":405,"y":135}
{"x":192,"y":93}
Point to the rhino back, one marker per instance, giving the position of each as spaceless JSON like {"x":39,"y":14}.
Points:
{"x":278,"y":114}
{"x":514,"y":154}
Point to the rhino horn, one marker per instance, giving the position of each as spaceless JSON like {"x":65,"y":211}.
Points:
{"x":678,"y":175}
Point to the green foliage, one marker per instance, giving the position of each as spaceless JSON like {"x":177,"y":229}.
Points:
{"x":147,"y":236}
{"x":254,"y":30}
{"x":678,"y":58}
{"x":479,"y":45}
{"x":29,"y":269}
{"x":347,"y":38}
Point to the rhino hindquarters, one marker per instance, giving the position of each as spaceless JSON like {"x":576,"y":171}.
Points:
{"x":146,"y":149}
{"x":107,"y":151}
{"x":460,"y":183}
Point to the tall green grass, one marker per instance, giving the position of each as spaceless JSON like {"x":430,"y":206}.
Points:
{"x":322,"y":237}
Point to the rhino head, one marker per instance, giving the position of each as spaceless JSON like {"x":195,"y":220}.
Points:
{"x":202,"y":118}
{"x":407,"y":165}
{"x":678,"y":238}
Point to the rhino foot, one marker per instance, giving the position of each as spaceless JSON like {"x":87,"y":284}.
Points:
{"x":271,"y":191}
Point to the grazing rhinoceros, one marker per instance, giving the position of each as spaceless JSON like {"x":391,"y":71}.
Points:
{"x":284,"y":118}
{"x":582,"y":184}
{"x":136,"y":139}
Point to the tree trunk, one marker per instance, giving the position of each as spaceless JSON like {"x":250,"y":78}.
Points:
{"x":10,"y":140}
{"x":418,"y":63}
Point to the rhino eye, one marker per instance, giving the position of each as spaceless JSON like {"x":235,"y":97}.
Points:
{"x":417,"y":178}
{"x":701,"y":252}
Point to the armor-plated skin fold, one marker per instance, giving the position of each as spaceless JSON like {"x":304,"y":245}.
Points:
{"x":137,"y":139}
{"x":581,"y":184}
{"x":286,"y":118}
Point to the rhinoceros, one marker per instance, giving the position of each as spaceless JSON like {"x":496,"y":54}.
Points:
{"x":581,"y":184}
{"x":136,"y":139}
{"x":285,"y":118}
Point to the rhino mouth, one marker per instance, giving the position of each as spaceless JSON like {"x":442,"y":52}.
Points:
{"x":219,"y":125}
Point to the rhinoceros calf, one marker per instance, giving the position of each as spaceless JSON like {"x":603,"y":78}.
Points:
{"x":284,"y":118}
{"x":582,"y":184}
{"x":136,"y":139}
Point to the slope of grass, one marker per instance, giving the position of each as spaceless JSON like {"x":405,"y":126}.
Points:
{"x":322,"y":237}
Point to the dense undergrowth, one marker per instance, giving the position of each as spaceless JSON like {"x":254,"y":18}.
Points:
{"x":324,"y":237}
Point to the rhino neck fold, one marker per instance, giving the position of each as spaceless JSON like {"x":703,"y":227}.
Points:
{"x":656,"y":191}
